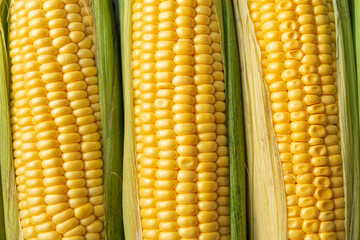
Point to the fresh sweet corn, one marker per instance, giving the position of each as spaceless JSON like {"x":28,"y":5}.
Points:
{"x":298,"y":44}
{"x":55,"y":118}
{"x":180,"y":126}
{"x":295,"y":58}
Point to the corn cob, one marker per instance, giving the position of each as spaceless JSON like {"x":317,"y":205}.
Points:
{"x":56,"y":143}
{"x":177,"y":89}
{"x":56,"y":120}
{"x":296,"y":46}
{"x":311,"y":153}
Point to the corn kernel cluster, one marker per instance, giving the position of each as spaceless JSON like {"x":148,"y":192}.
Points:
{"x":55,"y":118}
{"x":298,"y":57}
{"x":180,"y":121}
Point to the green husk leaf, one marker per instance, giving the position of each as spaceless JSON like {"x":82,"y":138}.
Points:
{"x":354,"y":6}
{"x":3,"y":70}
{"x":132,"y":222}
{"x":10,"y":200}
{"x":352,"y":17}
{"x":108,"y":65}
{"x":235,"y":121}
{"x":348,"y":112}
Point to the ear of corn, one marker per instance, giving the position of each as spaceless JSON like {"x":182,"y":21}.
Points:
{"x":286,"y":199}
{"x":163,"y":201}
{"x":2,"y":223}
{"x":61,"y":196}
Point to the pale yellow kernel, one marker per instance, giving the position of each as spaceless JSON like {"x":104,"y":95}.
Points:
{"x":53,"y":235}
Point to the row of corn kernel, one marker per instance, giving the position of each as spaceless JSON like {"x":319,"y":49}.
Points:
{"x":331,"y":105}
{"x":335,"y":158}
{"x":167,"y":168}
{"x":17,"y":85}
{"x":309,"y":211}
{"x":206,"y":126}
{"x":20,"y":109}
{"x":147,"y":117}
{"x":300,"y":93}
{"x":92,"y":81}
{"x":318,"y":120}
{"x":184,"y":116}
{"x":136,"y":73}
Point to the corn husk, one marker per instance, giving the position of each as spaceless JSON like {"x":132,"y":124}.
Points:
{"x":354,"y":6}
{"x":266,"y":198}
{"x":132,"y":221}
{"x":235,"y":121}
{"x":349,"y":118}
{"x":352,"y":17}
{"x":265,"y":184}
{"x":108,"y":66}
{"x":2,"y":223}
